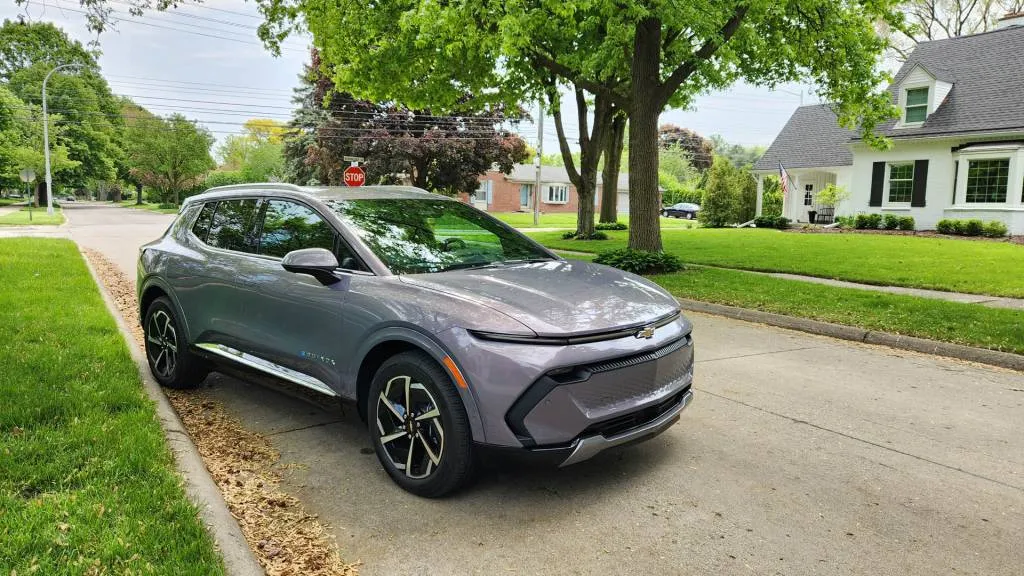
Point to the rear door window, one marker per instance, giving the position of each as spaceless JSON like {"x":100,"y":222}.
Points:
{"x":232,"y":225}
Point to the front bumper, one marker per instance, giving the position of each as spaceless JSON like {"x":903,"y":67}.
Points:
{"x":589,"y":446}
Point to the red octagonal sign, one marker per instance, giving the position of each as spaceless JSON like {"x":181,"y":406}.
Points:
{"x":354,"y":176}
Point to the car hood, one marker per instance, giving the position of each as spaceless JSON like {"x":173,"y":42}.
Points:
{"x":557,"y":298}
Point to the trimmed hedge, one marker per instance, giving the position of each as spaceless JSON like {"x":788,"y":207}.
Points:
{"x":972,"y":227}
{"x":779,"y":222}
{"x":640,"y":261}
{"x":610,"y":226}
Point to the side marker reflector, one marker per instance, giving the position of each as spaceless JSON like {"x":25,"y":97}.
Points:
{"x":460,"y":381}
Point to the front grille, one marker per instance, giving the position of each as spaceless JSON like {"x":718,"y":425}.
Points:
{"x":639,"y":358}
{"x":621,"y":424}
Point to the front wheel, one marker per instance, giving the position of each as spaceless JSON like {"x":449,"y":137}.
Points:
{"x":419,"y":427}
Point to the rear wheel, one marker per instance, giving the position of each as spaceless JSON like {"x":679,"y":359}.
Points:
{"x":170,"y":361}
{"x":419,"y":427}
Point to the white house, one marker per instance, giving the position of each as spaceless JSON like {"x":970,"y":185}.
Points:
{"x":958,"y":144}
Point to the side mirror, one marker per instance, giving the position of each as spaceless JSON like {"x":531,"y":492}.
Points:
{"x":317,"y":262}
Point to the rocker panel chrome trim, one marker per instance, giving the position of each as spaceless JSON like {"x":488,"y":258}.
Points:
{"x":267,"y":367}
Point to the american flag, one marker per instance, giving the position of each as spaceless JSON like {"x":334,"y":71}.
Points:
{"x":784,"y":179}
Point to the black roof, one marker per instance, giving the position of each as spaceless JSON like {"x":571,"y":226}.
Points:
{"x":811,"y":138}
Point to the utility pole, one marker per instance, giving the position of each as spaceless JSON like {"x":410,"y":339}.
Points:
{"x":540,"y":154}
{"x":46,"y":141}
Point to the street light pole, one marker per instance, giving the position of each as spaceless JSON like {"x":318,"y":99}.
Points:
{"x":46,"y":141}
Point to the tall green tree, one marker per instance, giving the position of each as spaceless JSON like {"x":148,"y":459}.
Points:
{"x":169,"y":155}
{"x":80,"y":98}
{"x":21,"y":141}
{"x":641,"y":56}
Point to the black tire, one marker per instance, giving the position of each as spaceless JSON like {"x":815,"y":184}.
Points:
{"x":442,"y":460}
{"x":170,"y":360}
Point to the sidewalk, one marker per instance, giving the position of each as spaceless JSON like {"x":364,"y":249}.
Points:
{"x":984,"y":300}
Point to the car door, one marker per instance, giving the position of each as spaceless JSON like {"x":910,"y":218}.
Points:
{"x":210,"y":289}
{"x":298,"y":322}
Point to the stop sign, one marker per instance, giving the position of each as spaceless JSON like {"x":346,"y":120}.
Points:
{"x":354,"y":176}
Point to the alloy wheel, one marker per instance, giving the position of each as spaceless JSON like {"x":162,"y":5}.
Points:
{"x":162,"y":343}
{"x":410,"y":427}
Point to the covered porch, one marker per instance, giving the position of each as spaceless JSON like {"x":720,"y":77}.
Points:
{"x":800,"y":200}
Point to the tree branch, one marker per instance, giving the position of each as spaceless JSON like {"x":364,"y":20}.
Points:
{"x":681,"y":73}
{"x":568,"y":74}
{"x":581,"y":118}
{"x":563,"y":145}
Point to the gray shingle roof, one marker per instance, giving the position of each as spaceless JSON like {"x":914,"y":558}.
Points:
{"x":812,"y":138}
{"x":987,"y":73}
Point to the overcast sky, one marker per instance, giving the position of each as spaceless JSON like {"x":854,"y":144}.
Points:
{"x":204,"y":61}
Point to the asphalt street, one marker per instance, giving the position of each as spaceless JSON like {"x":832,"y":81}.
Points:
{"x":800,"y":455}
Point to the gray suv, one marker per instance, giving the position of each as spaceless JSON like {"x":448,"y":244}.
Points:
{"x":450,"y":330}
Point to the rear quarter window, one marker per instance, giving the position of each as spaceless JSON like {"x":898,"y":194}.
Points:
{"x":202,"y":226}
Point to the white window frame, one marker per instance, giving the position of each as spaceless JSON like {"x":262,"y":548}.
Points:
{"x":902,"y":103}
{"x":550,"y":193}
{"x":809,"y":191}
{"x":927,"y":103}
{"x":888,"y":174}
{"x":1015,"y":177}
{"x":1009,"y":179}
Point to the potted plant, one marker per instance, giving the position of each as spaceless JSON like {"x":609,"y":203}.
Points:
{"x":830,"y":197}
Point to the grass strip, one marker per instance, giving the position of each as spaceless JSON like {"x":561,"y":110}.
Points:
{"x":87,"y":483}
{"x":39,"y":217}
{"x":975,"y":267}
{"x":568,"y":220}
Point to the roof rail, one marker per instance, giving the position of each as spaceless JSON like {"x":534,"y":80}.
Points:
{"x":259,"y":185}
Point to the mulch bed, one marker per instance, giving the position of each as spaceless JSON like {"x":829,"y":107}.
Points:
{"x":286,"y":539}
{"x":918,"y":233}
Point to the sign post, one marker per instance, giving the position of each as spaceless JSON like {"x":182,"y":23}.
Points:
{"x":27,"y":175}
{"x":354,"y":175}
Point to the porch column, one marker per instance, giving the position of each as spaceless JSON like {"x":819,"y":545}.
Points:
{"x":760,"y":194}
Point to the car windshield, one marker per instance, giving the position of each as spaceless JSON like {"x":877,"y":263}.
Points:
{"x":414,"y":236}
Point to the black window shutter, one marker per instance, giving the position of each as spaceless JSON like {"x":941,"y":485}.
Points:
{"x":920,"y":181}
{"x":877,"y":183}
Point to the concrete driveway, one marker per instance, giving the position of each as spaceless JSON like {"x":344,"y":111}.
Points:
{"x":800,"y":455}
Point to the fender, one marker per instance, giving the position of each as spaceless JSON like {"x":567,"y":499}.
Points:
{"x":155,"y":281}
{"x":416,"y":336}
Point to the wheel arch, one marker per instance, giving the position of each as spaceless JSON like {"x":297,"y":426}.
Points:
{"x":395,"y":340}
{"x":153,"y":288}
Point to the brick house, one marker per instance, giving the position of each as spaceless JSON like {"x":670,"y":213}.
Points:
{"x":513,"y":192}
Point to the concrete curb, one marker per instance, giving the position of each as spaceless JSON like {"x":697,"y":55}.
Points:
{"x":958,"y":351}
{"x":199,"y":485}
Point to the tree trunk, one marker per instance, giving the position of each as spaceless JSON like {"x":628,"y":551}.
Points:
{"x":591,"y":147}
{"x":138,"y":194}
{"x":644,"y":200}
{"x":41,"y":193}
{"x":610,"y":176}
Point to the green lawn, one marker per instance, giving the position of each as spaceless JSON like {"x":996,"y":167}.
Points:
{"x":968,"y":324}
{"x":568,"y":220}
{"x":976,"y":267}
{"x":9,"y":201}
{"x":38,"y":217}
{"x":87,"y":484}
{"x":149,"y":206}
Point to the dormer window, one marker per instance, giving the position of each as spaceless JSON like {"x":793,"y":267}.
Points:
{"x":917,"y":106}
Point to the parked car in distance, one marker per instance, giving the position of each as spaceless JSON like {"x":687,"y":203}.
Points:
{"x":681,"y":210}
{"x":451,"y":331}
{"x":68,"y":199}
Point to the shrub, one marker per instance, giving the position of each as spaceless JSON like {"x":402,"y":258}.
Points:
{"x":891,"y":222}
{"x":610,"y":226}
{"x":640,"y":261}
{"x":832,"y":195}
{"x":846,"y":222}
{"x":765,"y":221}
{"x":167,"y":205}
{"x":995,"y":229}
{"x":906,"y":222}
{"x":867,"y":221}
{"x":973,"y":227}
{"x":782,"y":222}
{"x":946,"y":226}
{"x":571,"y":235}
{"x":718,"y":206}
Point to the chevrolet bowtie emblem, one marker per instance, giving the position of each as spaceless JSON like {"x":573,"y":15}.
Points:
{"x":645,"y":332}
